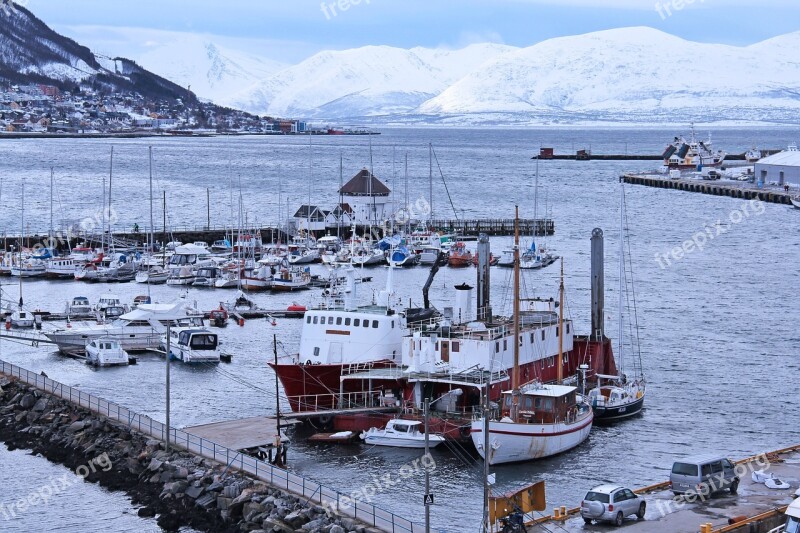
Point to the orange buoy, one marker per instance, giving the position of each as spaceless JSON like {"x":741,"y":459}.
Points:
{"x":241,"y":322}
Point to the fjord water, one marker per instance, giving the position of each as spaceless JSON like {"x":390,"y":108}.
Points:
{"x":719,"y":334}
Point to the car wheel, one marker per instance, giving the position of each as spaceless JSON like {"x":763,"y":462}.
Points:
{"x":587,"y":521}
{"x":640,"y":512}
{"x":734,"y":486}
{"x":619,"y":518}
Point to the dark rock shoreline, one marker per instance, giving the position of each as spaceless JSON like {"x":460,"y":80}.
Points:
{"x":179,"y":488}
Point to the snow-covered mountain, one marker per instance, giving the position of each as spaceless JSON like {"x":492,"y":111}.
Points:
{"x":214,"y":71}
{"x":364,"y":82}
{"x":638,"y":74}
{"x":31,"y":52}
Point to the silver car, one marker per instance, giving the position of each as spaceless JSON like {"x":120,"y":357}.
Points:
{"x":611,"y":503}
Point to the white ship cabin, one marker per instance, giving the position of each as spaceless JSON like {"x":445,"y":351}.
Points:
{"x":457,"y":343}
{"x":543,"y":404}
{"x":189,"y":254}
{"x":345,"y":333}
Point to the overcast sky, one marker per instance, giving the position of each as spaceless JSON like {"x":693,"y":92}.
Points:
{"x":290,"y":30}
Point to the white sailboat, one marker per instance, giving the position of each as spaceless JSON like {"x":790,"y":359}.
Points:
{"x":536,"y":420}
{"x":21,"y":318}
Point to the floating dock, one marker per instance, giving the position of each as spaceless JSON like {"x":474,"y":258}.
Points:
{"x":754,"y":508}
{"x":733,"y":189}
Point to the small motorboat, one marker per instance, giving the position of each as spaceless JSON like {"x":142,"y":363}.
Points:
{"x":796,"y":202}
{"x":154,"y":275}
{"x":80,"y":308}
{"x":218,"y":317}
{"x":105,"y":352}
{"x":403,"y":257}
{"x":401,"y":434}
{"x":21,"y":319}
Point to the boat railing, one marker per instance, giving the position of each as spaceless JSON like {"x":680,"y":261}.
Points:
{"x":357,"y":368}
{"x":338,"y":401}
{"x":312,"y":491}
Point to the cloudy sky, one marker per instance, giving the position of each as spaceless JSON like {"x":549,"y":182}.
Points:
{"x":290,"y":30}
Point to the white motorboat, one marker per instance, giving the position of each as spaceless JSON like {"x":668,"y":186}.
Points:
{"x":796,"y":202}
{"x":429,"y":255}
{"x":189,"y":256}
{"x":21,"y":319}
{"x":193,"y":345}
{"x":133,"y":330}
{"x":80,"y":307}
{"x":182,"y":276}
{"x":299,"y":256}
{"x":29,"y":268}
{"x":401,"y":434}
{"x":154,"y":275}
{"x":206,"y":277}
{"x":105,"y":352}
{"x":108,"y":300}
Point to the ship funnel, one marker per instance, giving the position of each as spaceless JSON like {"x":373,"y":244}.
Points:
{"x":462,"y":313}
{"x":484,"y":256}
{"x":598,"y":284}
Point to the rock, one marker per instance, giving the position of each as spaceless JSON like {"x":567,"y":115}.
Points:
{"x":296,"y":518}
{"x":194,"y":492}
{"x":278,"y":526}
{"x":336,"y":529}
{"x":27,"y":401}
{"x":75,"y":427}
{"x":252,"y":507}
{"x":181,"y":473}
{"x":165,"y":477}
{"x":154,"y":465}
{"x":348,"y":523}
{"x":223,"y":502}
{"x":206,"y":501}
{"x":231,"y":491}
{"x":146,"y":512}
{"x":176,"y":487}
{"x":215,"y":487}
{"x":40,"y":405}
{"x":315,"y":525}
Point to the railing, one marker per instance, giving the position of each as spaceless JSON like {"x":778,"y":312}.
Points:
{"x":334,"y":400}
{"x":298,"y":485}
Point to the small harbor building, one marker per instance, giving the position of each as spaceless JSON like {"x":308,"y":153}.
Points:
{"x":782,"y":168}
{"x":367,"y":197}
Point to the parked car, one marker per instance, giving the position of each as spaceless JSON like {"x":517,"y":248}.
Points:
{"x":611,"y":503}
{"x":703,"y":475}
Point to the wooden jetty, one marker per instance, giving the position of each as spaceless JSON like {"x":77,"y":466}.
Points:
{"x":495,"y":227}
{"x":743,"y":190}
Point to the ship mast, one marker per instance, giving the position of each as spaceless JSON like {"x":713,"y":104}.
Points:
{"x":515,"y":376}
{"x":559,"y":366}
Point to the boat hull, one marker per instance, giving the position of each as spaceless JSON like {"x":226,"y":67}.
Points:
{"x":74,"y":342}
{"x":606,"y":415}
{"x":513,"y":443}
{"x":377,"y":440}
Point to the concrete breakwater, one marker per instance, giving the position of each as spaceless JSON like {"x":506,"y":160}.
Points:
{"x":180,"y":488}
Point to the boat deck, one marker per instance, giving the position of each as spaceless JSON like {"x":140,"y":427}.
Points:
{"x":665,"y":515}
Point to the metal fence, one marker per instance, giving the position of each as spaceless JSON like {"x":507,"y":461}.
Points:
{"x":277,"y":477}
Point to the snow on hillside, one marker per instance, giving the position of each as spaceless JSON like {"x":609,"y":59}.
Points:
{"x":630,"y":73}
{"x":372,"y":80}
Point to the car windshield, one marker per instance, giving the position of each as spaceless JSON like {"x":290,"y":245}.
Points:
{"x":593,"y":496}
{"x":684,"y":469}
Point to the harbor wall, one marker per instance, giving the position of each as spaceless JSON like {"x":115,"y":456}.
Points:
{"x":196,"y":484}
{"x":713,"y":187}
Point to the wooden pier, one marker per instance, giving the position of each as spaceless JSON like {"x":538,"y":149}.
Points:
{"x":495,"y":227}
{"x":743,"y":190}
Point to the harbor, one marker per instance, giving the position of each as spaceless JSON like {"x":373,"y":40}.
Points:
{"x":245,"y":401}
{"x":731,"y":189}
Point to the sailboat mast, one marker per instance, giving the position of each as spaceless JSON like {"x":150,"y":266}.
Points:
{"x":430,"y":180}
{"x":152,"y":238}
{"x":620,"y":358}
{"x":50,"y":233}
{"x":110,"y":173}
{"x":308,"y":207}
{"x":21,"y":240}
{"x":341,"y":184}
{"x":559,"y":366}
{"x":515,"y":376}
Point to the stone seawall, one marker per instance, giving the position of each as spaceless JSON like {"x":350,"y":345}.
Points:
{"x":181,"y":489}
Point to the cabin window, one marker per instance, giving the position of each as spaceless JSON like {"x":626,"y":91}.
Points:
{"x":308,"y":319}
{"x":520,"y":340}
{"x":338,"y":321}
{"x":316,"y":351}
{"x":558,"y":331}
{"x":437,"y":346}
{"x":366,"y":323}
{"x":330,"y":320}
{"x":356,"y":322}
{"x":316,"y":319}
{"x":392,"y":324}
{"x":346,"y":321}
{"x":505,"y":344}
{"x":543,"y":334}
{"x":456,"y":346}
{"x":375,"y":324}
{"x":401,"y":429}
{"x":528,"y":405}
{"x":497,"y":347}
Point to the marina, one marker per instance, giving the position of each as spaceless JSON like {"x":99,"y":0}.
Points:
{"x":239,"y":399}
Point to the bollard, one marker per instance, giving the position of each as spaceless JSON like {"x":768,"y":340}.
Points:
{"x":241,"y":322}
{"x":556,"y":513}
{"x":563,"y":511}
{"x":8,"y":322}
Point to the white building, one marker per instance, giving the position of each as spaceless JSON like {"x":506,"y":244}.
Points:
{"x":310,"y":218}
{"x":368,"y":198}
{"x":782,"y":168}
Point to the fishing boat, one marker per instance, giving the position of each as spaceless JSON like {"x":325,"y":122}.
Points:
{"x":60,"y":268}
{"x":401,"y":434}
{"x":291,"y":278}
{"x":79,"y":307}
{"x":692,"y":154}
{"x":193,"y":345}
{"x":535,"y":420}
{"x":29,"y":267}
{"x":105,"y":352}
{"x":617,"y":397}
{"x":222,"y":247}
{"x":258,"y":280}
{"x":459,"y":256}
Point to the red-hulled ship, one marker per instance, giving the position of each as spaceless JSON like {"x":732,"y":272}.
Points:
{"x":353,"y":357}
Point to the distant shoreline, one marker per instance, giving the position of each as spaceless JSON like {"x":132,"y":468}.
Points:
{"x":144,"y":134}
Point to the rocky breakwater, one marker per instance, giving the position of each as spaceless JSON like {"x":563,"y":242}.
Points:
{"x":179,"y":488}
